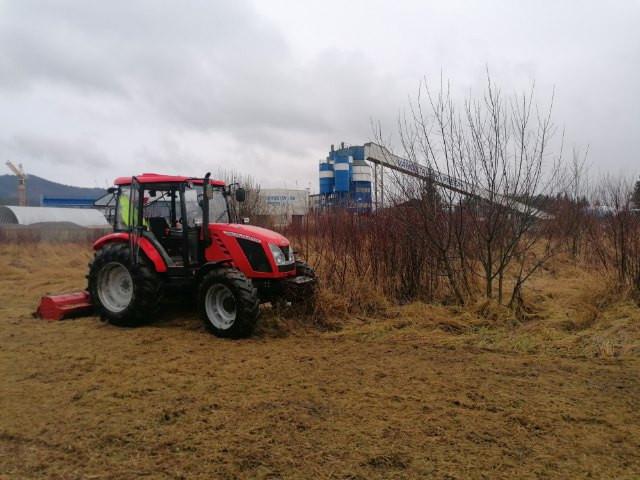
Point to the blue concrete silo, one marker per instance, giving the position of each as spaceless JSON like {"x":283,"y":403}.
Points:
{"x":342,"y":169}
{"x":361,"y":184}
{"x":345,"y":179}
{"x":326,"y":177}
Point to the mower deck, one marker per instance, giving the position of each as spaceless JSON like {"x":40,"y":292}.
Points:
{"x":57,"y":307}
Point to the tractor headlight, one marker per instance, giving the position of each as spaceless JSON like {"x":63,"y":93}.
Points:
{"x":281,"y":255}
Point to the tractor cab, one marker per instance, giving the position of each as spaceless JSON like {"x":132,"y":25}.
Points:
{"x":171,"y":213}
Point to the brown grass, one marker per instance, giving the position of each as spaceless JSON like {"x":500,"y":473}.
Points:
{"x":417,"y":391}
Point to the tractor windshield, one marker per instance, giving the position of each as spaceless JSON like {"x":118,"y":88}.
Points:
{"x":162,"y":206}
{"x":218,"y":211}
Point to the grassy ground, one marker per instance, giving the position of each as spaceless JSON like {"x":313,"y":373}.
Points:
{"x":424,"y":392}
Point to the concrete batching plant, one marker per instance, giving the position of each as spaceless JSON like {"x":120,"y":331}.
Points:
{"x":345,"y":180}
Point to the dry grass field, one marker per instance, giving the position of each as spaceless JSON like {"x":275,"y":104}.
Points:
{"x":420,"y":392}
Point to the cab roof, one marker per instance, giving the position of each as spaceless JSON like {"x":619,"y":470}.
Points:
{"x":158,"y":178}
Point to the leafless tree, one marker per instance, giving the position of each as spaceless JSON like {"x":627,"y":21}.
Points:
{"x":490,"y":158}
{"x":253,"y":205}
{"x":570,"y":207}
{"x":619,"y":229}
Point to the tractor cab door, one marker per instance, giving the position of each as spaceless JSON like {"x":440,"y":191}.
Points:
{"x":135,"y":220}
{"x":172,"y":221}
{"x":191,"y":223}
{"x":162,"y":222}
{"x":129,"y":207}
{"x":128,"y":216}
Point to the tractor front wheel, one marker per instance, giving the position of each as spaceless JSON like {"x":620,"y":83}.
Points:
{"x":303,"y":268}
{"x":124,"y":294}
{"x":300,"y":296}
{"x":228,"y":303}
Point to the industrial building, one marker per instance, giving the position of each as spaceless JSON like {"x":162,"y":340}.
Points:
{"x":281,"y":207}
{"x":67,"y":202}
{"x":346,"y":180}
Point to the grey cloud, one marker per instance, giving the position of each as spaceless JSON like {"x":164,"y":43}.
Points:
{"x":267,"y":86}
{"x":202,"y":64}
{"x":55,"y":151}
{"x":208,"y":64}
{"x":193,"y":66}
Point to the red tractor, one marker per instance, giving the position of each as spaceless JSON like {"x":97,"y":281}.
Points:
{"x":173,"y":233}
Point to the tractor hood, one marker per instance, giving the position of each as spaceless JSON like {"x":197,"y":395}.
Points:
{"x":251,"y":233}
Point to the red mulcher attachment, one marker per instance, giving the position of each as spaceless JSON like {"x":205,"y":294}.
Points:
{"x":57,"y":307}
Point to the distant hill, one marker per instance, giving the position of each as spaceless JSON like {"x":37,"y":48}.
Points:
{"x":37,"y":186}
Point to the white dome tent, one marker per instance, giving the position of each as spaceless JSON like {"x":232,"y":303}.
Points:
{"x":83,"y":217}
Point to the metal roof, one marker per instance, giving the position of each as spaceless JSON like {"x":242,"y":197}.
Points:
{"x":158,"y":178}
{"x":67,"y":202}
{"x":83,"y":217}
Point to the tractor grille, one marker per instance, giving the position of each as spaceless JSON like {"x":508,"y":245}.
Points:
{"x":255,"y":254}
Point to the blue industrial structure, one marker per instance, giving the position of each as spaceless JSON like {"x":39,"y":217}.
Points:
{"x":326,"y":177}
{"x":345,"y":179}
{"x":67,"y":202}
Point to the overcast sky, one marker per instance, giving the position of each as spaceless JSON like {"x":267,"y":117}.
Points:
{"x":91,"y":90}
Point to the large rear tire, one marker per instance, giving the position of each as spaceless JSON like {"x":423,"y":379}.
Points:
{"x":228,"y":303}
{"x":124,"y":294}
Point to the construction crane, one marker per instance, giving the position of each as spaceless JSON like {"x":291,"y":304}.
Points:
{"x":22,"y":182}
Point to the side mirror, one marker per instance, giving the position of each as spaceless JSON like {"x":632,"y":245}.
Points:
{"x":241,"y":194}
{"x":245,"y":220}
{"x":112,"y":190}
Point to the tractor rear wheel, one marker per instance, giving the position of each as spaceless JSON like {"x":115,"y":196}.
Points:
{"x":228,"y":303}
{"x":124,"y":294}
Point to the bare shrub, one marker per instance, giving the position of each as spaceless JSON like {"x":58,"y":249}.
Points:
{"x":489,"y":158}
{"x":614,"y":231}
{"x":369,"y":259}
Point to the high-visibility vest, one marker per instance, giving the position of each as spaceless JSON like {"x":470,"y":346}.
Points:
{"x":124,"y":206}
{"x":125,"y":209}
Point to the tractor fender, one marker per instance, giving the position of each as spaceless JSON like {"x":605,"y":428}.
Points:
{"x":146,"y":246}
{"x":207,"y":267}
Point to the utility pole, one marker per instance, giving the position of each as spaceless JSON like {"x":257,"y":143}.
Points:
{"x":375,"y":185}
{"x":22,"y":182}
{"x":381,"y":186}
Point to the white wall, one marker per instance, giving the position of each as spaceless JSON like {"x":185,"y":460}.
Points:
{"x":280,"y":201}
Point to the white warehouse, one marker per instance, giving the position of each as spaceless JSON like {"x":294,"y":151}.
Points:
{"x":284,"y":206}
